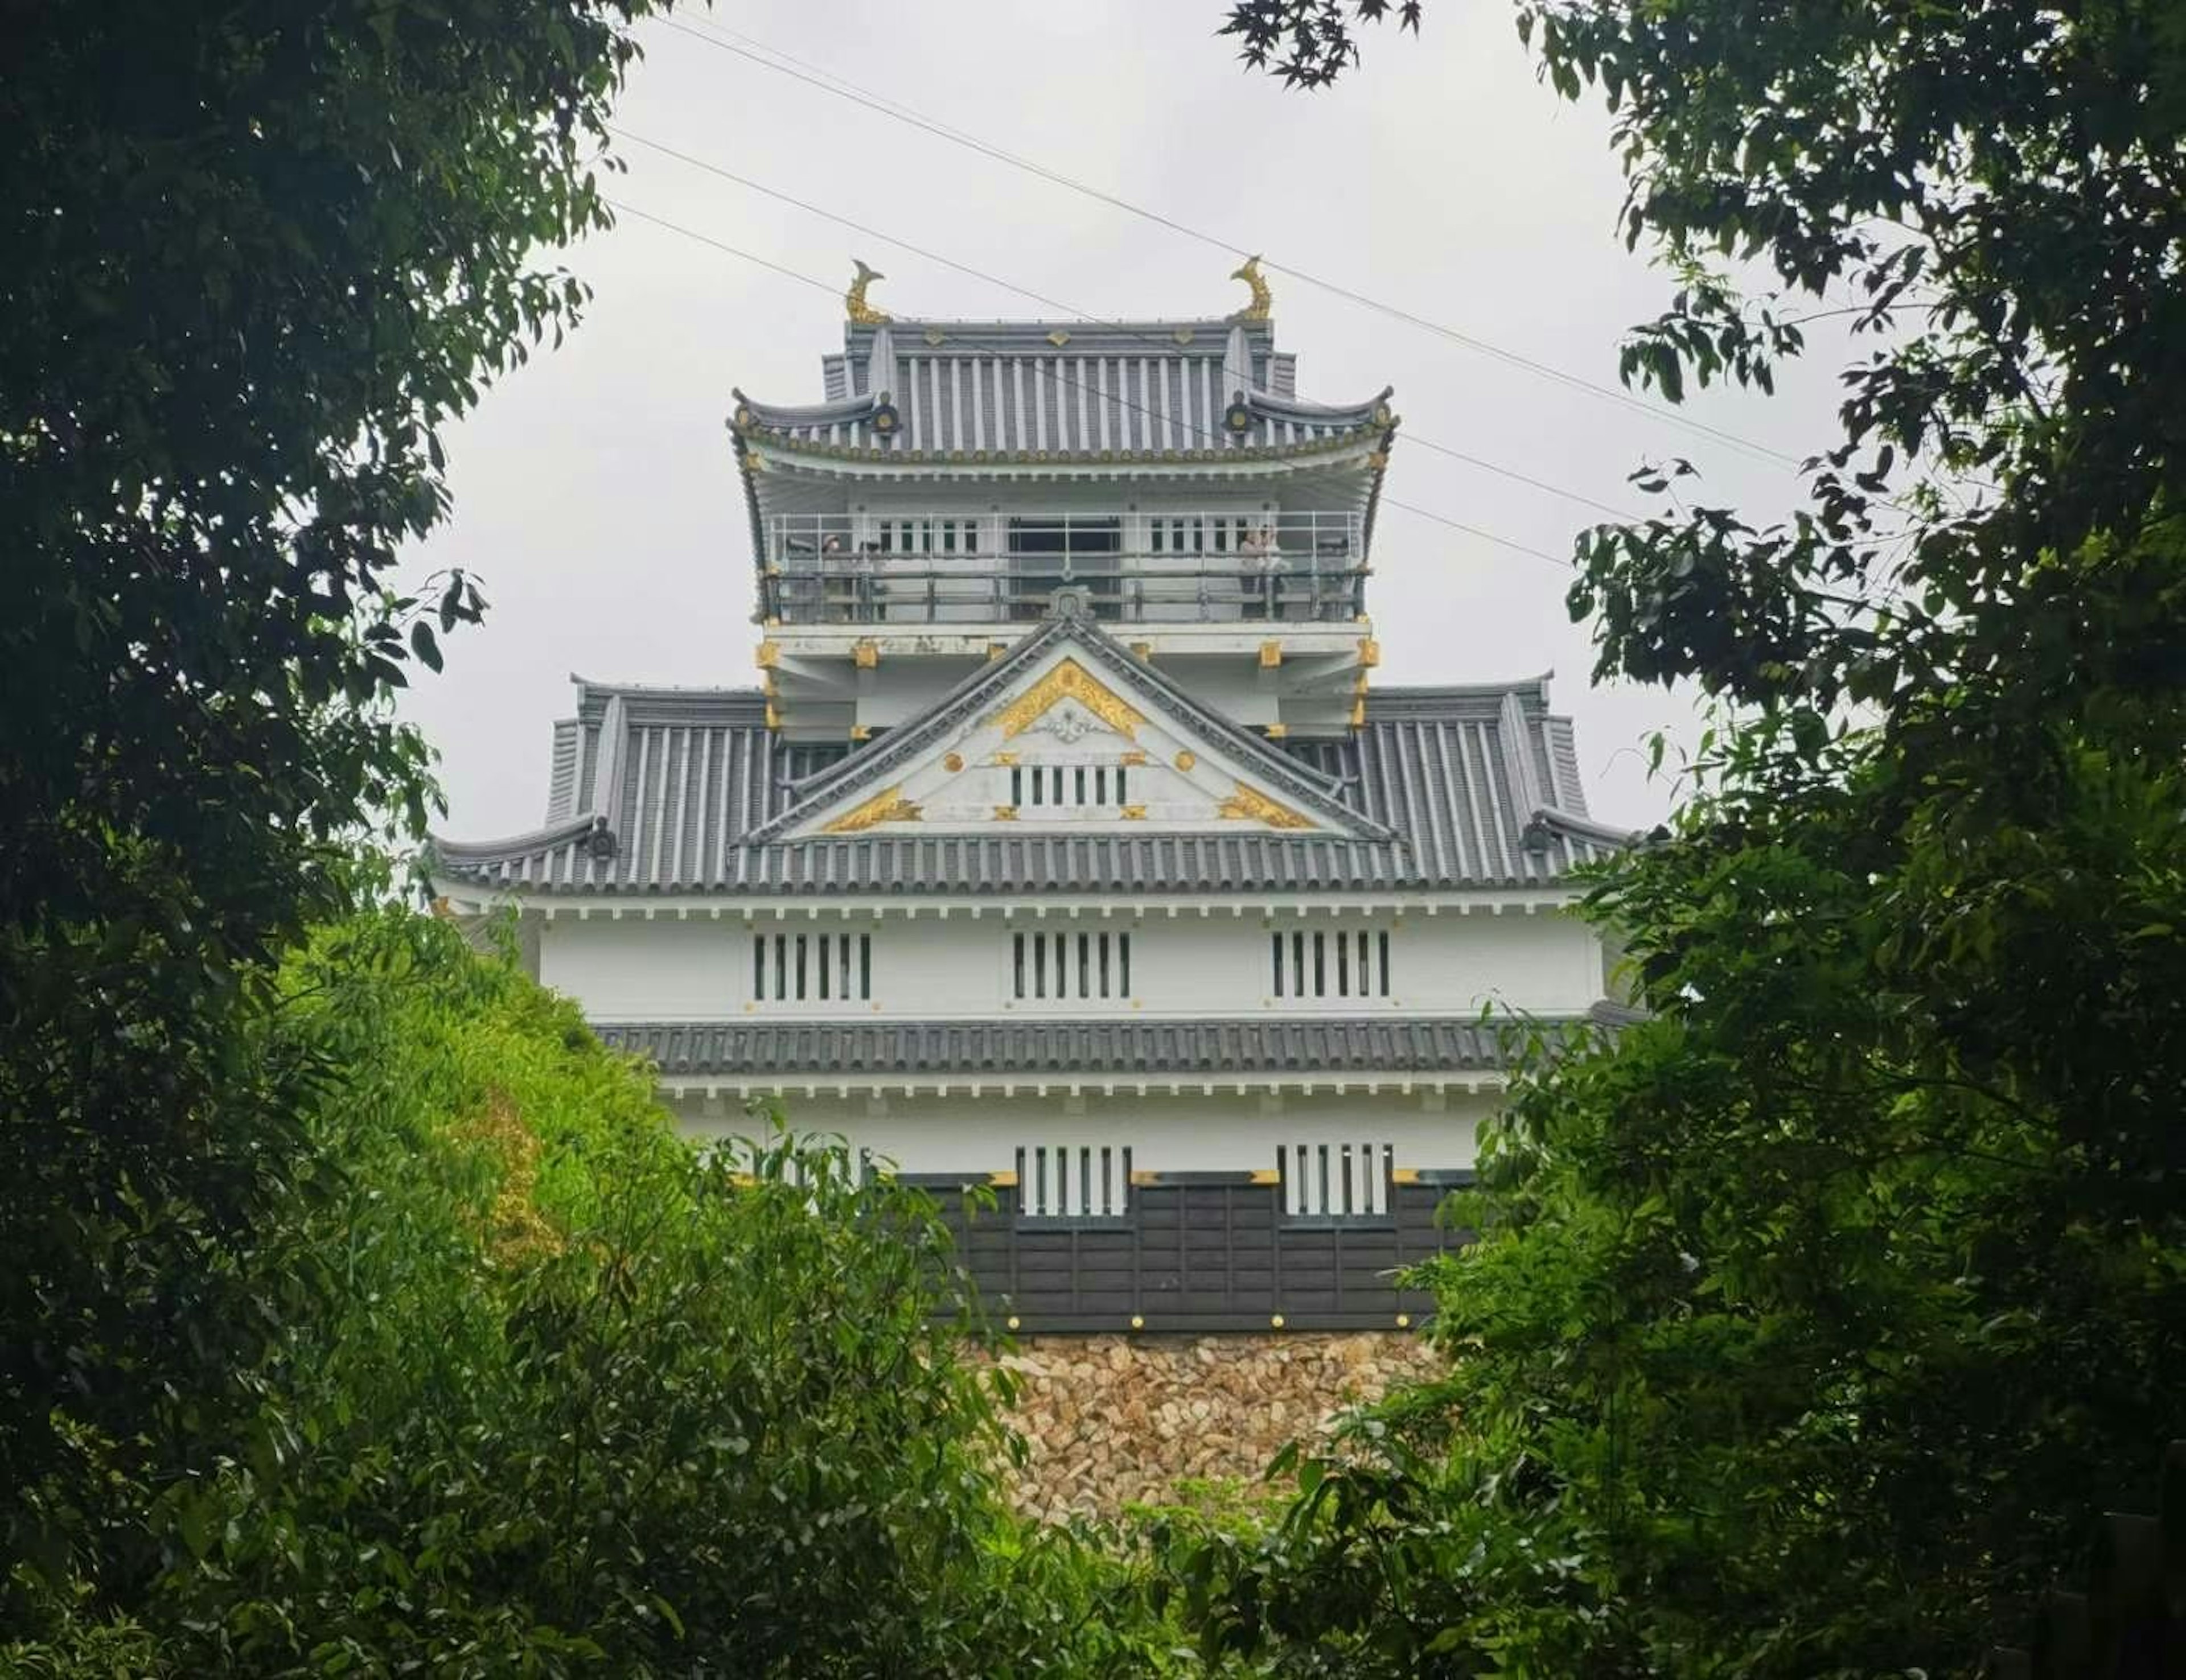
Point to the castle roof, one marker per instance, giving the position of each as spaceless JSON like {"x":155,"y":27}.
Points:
{"x":1129,"y":1048}
{"x":1472,"y":786}
{"x":1021,"y":391}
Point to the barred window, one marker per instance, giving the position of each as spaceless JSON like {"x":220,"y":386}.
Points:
{"x":1072,"y":968}
{"x":1081,"y":1181}
{"x":1348,"y":962}
{"x":812,"y":967}
{"x":1334,"y":1180}
{"x":1039,"y":787}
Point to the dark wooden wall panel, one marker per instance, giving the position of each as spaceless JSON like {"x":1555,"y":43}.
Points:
{"x":1213,"y":1252}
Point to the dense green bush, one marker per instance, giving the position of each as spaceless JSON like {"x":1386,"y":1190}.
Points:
{"x":555,"y":1391}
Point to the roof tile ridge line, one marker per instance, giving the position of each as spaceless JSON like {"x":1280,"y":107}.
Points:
{"x":1417,"y":691}
{"x":1590,"y":828}
{"x":1526,"y":791}
{"x":477,"y":851}
{"x":650,"y":690}
{"x":614,"y":757}
{"x":1301,"y":408}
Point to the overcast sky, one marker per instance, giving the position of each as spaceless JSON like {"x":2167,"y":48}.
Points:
{"x":594,"y":491}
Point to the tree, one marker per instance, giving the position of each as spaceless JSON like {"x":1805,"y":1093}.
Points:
{"x":1813,"y":1316}
{"x":557,"y":1392}
{"x":260,"y":252}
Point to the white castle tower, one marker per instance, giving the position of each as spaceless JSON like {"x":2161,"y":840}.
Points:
{"x":1065,"y":845}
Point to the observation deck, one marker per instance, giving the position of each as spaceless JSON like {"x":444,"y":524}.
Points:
{"x":1123,"y":567}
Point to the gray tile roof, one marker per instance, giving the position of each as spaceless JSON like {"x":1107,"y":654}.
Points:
{"x":1129,"y":1047}
{"x":682,"y":779}
{"x":1050,"y":388}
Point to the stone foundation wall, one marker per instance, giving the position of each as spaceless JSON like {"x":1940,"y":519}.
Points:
{"x":1112,"y":1419}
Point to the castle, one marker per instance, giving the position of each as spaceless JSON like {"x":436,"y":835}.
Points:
{"x":1067,"y":845}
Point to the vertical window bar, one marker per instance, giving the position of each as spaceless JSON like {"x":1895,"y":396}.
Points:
{"x":1278,"y":940}
{"x":1080,"y":774}
{"x":1123,"y":965}
{"x":800,"y":968}
{"x":865,"y":968}
{"x":1366,"y":985}
{"x":1017,"y":941}
{"x":1055,"y":782}
{"x":1062,"y":964}
{"x":1297,"y":965}
{"x":1319,"y":965}
{"x":1321,"y":1151}
{"x":781,"y":967}
{"x":827,"y":967}
{"x":1017,"y":787}
{"x":1085,"y":965}
{"x":1104,"y":965}
{"x":758,"y":967}
{"x":843,"y":966}
{"x":1038,"y":967}
{"x":1385,"y":964}
{"x":1123,"y":795}
{"x":1344,"y":966}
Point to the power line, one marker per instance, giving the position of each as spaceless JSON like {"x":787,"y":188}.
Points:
{"x":1070,"y":310}
{"x":1060,"y":380}
{"x":828,"y":82}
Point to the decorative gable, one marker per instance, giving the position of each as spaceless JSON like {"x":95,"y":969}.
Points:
{"x":1070,"y":734}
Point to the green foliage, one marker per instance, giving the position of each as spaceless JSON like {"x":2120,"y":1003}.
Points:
{"x":557,"y":1392}
{"x":1814,"y":1316}
{"x":260,"y":252}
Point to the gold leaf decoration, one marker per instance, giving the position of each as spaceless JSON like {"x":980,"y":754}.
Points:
{"x":1249,"y":804}
{"x":889,"y":806}
{"x":952,"y":762}
{"x":1069,"y":680}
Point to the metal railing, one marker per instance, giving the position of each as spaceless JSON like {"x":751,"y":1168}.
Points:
{"x":1122,"y":567}
{"x":926,"y":595}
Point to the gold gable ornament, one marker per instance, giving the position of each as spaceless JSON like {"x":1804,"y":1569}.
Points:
{"x":1069,"y":680}
{"x":889,"y":806}
{"x":1249,"y":804}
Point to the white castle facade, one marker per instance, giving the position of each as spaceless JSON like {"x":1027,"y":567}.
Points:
{"x":1067,"y":844}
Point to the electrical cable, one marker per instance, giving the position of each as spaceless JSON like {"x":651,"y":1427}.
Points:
{"x":828,"y":82}
{"x":1063,"y":380}
{"x":1071,"y":310}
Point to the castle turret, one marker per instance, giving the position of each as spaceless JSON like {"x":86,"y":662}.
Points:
{"x":963,"y":480}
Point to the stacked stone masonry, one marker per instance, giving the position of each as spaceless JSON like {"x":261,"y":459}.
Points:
{"x":1114,"y":1420}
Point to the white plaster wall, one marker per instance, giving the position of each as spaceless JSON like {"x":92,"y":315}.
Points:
{"x":631,"y":969}
{"x":1223,"y":1133}
{"x":1186,"y":967}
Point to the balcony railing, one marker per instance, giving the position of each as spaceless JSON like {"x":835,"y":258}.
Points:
{"x":1124,"y":568}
